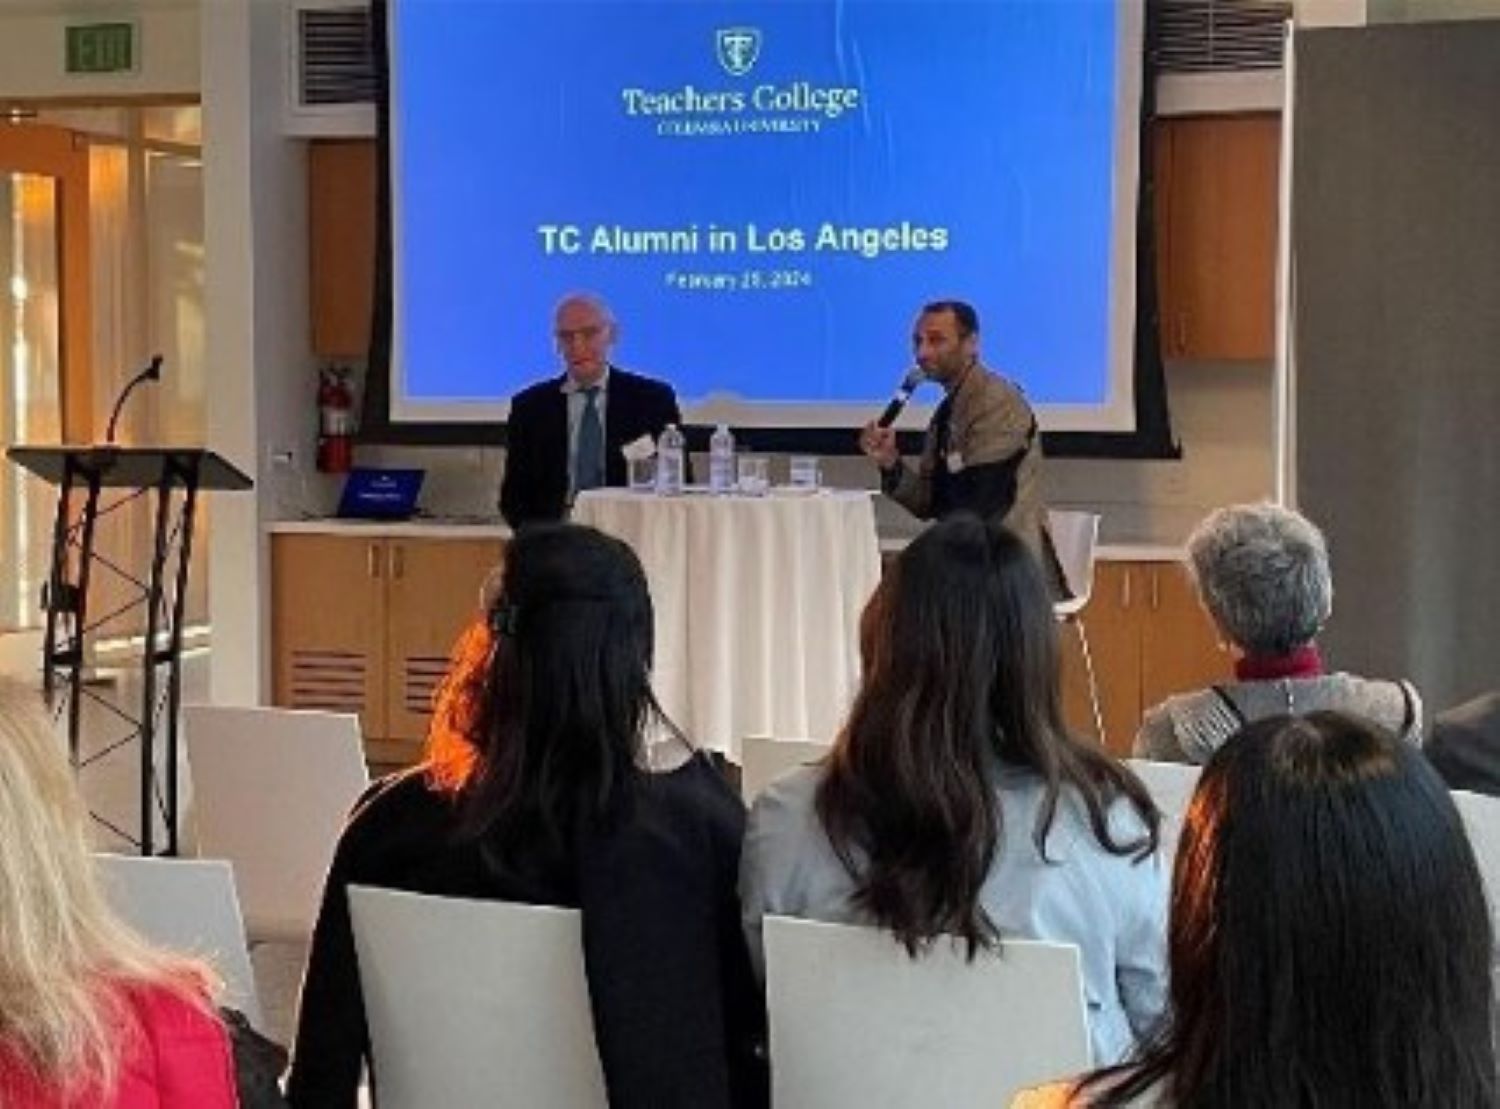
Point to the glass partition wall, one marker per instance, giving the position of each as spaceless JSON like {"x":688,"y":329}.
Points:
{"x":140,"y":244}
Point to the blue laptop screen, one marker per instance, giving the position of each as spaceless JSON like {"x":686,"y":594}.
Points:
{"x":380,"y":494}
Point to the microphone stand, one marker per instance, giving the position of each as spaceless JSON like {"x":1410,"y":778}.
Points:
{"x":88,"y":671}
{"x":151,"y":373}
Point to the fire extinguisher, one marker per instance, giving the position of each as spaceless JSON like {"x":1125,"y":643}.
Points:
{"x":335,"y":421}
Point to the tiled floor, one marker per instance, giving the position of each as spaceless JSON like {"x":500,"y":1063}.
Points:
{"x":278,"y":976}
{"x":110,"y":772}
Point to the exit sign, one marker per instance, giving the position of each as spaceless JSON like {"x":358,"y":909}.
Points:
{"x":101,"y":48}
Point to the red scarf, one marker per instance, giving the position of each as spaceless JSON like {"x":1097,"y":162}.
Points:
{"x":1304,"y":662}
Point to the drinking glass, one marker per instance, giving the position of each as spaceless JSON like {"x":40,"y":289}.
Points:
{"x":804,"y":472}
{"x":754,"y":474}
{"x":642,"y":474}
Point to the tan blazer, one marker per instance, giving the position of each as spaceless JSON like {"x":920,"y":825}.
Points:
{"x":991,"y":422}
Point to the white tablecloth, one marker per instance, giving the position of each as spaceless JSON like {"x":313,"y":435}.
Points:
{"x":757,"y":605}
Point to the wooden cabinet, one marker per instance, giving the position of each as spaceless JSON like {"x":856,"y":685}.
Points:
{"x":1149,"y":638}
{"x":341,"y":245}
{"x":1216,"y":217}
{"x":1111,"y":620}
{"x":366,"y":625}
{"x":328,"y":626}
{"x":432,"y":592}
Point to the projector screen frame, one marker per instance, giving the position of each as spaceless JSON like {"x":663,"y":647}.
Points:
{"x":1151,"y":439}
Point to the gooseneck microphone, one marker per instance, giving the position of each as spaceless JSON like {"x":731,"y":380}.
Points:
{"x":914,"y":377}
{"x":150,"y":373}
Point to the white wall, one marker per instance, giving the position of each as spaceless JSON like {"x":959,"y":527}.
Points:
{"x":32,"y":48}
{"x":1222,"y":416}
{"x":1356,"y":13}
{"x":260,"y":368}
{"x":1329,"y":13}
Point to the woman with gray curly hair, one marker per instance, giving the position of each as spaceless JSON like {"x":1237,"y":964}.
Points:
{"x":1262,"y":574}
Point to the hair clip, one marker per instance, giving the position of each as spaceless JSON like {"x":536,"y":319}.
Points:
{"x":503,"y":619}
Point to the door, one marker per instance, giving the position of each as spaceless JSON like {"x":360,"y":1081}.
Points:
{"x":44,"y":340}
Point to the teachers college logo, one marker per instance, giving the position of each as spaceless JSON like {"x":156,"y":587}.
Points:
{"x":738,"y":48}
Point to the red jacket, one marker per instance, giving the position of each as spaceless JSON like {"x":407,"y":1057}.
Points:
{"x":181,"y":1060}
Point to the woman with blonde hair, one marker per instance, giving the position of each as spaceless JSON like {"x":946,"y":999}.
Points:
{"x":90,"y":1014}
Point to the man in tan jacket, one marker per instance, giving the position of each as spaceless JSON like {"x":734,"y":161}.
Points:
{"x":983,"y":450}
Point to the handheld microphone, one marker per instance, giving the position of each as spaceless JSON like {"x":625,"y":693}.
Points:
{"x":909,"y":383}
{"x":150,"y":373}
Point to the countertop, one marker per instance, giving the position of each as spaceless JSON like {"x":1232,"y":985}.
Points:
{"x":430,"y":527}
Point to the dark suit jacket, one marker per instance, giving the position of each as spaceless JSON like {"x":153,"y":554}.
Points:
{"x":535,"y":486}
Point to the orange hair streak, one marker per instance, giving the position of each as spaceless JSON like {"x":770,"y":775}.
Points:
{"x":457,"y":708}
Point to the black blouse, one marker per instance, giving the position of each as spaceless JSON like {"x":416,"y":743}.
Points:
{"x":678,"y":1017}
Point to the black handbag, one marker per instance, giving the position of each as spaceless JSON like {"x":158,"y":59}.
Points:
{"x":259,"y":1062}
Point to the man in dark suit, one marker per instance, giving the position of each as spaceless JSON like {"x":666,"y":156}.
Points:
{"x":567,"y":433}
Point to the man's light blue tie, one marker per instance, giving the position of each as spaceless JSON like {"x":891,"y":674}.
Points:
{"x":588,"y":466}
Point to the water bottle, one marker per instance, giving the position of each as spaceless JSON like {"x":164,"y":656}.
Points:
{"x":721,"y":461}
{"x":669,"y":451}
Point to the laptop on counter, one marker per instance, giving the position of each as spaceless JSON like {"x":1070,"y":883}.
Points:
{"x":380,"y":493}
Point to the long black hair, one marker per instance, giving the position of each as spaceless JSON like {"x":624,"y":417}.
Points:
{"x":961,"y":675}
{"x":1330,"y":943}
{"x":552,"y":708}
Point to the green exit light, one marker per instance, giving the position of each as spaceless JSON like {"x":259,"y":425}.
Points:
{"x":101,"y":48}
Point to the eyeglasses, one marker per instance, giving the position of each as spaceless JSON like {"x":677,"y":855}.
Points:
{"x":587,"y":334}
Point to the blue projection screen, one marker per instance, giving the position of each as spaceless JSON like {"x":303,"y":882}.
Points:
{"x":765,"y":193}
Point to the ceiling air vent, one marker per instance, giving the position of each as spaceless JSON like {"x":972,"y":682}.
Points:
{"x":1220,"y":36}
{"x":336,"y":57}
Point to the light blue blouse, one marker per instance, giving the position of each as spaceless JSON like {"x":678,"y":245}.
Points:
{"x":1113,"y":908}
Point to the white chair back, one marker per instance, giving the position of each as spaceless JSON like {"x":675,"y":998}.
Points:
{"x":186,"y":905}
{"x":1171,"y":785}
{"x":766,"y":759}
{"x":856,"y":1023}
{"x":1075,"y":538}
{"x":475,"y":1003}
{"x":1481,"y":816}
{"x":271,"y":791}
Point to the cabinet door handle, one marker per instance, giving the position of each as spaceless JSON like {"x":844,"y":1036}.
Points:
{"x":1155,"y":590}
{"x":373,"y":560}
{"x":1182,"y":333}
{"x":1125,"y":589}
{"x":398,"y":562}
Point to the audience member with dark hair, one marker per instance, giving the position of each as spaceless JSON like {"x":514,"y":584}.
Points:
{"x":1330,"y":941}
{"x":90,"y":1014}
{"x":553,"y":778}
{"x":955,"y":802}
{"x":1262,"y":573}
